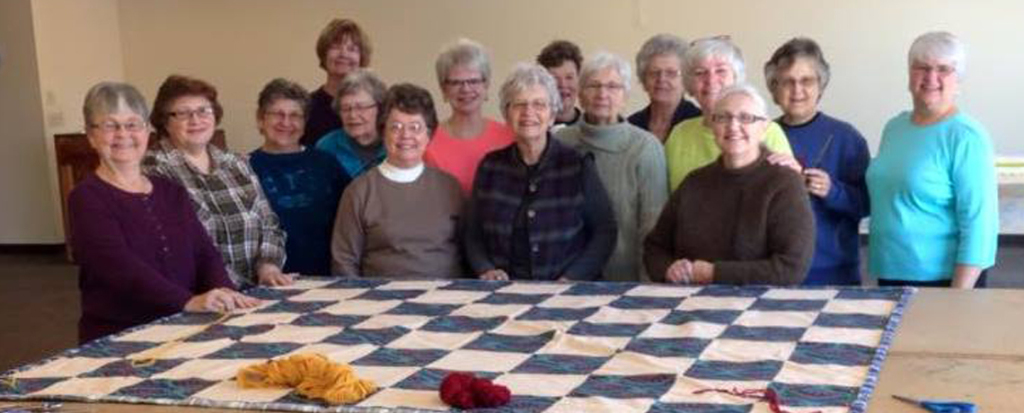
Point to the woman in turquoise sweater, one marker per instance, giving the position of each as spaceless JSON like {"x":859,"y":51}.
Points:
{"x":934,"y":207}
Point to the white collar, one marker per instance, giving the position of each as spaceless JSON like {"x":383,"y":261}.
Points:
{"x":400,"y":175}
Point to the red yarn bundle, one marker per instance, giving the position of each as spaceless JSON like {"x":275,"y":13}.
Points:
{"x":466,"y":391}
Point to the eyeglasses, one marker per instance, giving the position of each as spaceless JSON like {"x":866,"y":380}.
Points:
{"x":537,"y":105}
{"x":278,"y":116}
{"x":742,"y":118}
{"x":610,"y":86}
{"x":458,"y":83}
{"x":356,"y":108}
{"x":398,"y":128}
{"x":205,"y":112}
{"x":664,"y":73}
{"x":804,"y":82}
{"x":718,"y":71}
{"x":941,"y":70}
{"x":110,"y":126}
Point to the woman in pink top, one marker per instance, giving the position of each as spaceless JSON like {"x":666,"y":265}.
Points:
{"x":462,"y":140}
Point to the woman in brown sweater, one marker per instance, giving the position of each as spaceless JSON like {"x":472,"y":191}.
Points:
{"x":739,"y":220}
{"x":399,"y":219}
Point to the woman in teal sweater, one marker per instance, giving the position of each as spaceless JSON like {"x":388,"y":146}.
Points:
{"x":934,"y":207}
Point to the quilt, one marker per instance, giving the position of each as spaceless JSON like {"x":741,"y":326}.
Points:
{"x":559,"y":347}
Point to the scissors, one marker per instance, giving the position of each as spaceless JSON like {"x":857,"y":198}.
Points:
{"x":940,"y":406}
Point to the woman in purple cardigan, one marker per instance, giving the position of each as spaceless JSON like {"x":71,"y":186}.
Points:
{"x":141,"y":250}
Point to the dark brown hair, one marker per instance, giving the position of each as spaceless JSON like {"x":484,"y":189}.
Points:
{"x":174,"y":87}
{"x":557,"y":52}
{"x":335,"y":32}
{"x":281,"y":88}
{"x":409,"y":99}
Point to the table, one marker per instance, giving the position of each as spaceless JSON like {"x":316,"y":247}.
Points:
{"x":951,"y":344}
{"x":957,"y":345}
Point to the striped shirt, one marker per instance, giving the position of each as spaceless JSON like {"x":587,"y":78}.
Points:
{"x":230,"y":204}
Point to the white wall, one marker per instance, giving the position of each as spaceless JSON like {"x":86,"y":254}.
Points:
{"x":240,"y":44}
{"x":26,"y":206}
{"x":78,"y":43}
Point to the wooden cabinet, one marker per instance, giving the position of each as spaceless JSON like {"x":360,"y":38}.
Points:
{"x":76,"y":159}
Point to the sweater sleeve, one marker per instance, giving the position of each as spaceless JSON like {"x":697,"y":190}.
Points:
{"x":976,"y":195}
{"x":790,"y":238}
{"x":473,"y":237}
{"x":102,"y":251}
{"x":599,"y":220}
{"x":849,"y":194}
{"x":776,"y":141}
{"x":348,"y":239}
{"x":653,"y":182}
{"x":272,"y":237}
{"x":660,"y":242}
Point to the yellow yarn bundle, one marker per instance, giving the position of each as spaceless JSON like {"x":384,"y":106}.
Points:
{"x":313,"y":375}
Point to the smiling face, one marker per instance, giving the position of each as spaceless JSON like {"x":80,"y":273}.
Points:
{"x":465,"y":89}
{"x":281,"y":124}
{"x":358,"y":113}
{"x":603,"y":97}
{"x":191,"y":122}
{"x":663,"y":79}
{"x":119,"y":138}
{"x":798,"y":91}
{"x":529,"y":114}
{"x":567,"y":78}
{"x":708,"y":78}
{"x":739,"y":142}
{"x":934,"y":85}
{"x":342,"y":58}
{"x":405,"y":139}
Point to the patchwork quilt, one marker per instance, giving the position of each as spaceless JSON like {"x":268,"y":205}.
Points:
{"x":559,"y":347}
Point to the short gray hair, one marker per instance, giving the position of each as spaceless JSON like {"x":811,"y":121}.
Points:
{"x":747,"y":90}
{"x":657,"y":45}
{"x":463,"y":52}
{"x":605,"y":60}
{"x":703,"y":49}
{"x":941,"y":46}
{"x":523,"y":76}
{"x":105,"y":98}
{"x":360,"y":80}
{"x":786,"y":55}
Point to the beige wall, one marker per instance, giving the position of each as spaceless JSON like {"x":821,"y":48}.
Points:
{"x":53,"y":50}
{"x":240,"y":44}
{"x":26,"y":206}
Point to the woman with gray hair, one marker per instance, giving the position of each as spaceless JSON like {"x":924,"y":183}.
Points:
{"x":357,"y":145}
{"x":738,"y":220}
{"x":629,"y":160}
{"x":934,"y":206}
{"x":141,"y":251}
{"x":660,"y":66}
{"x":833,"y":154}
{"x":538,"y":210}
{"x":709,"y":66}
{"x":461,"y":141}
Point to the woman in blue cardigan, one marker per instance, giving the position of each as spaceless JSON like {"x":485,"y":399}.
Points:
{"x":833,"y":155}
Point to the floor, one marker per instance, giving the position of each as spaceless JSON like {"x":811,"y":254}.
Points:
{"x":39,"y":303}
